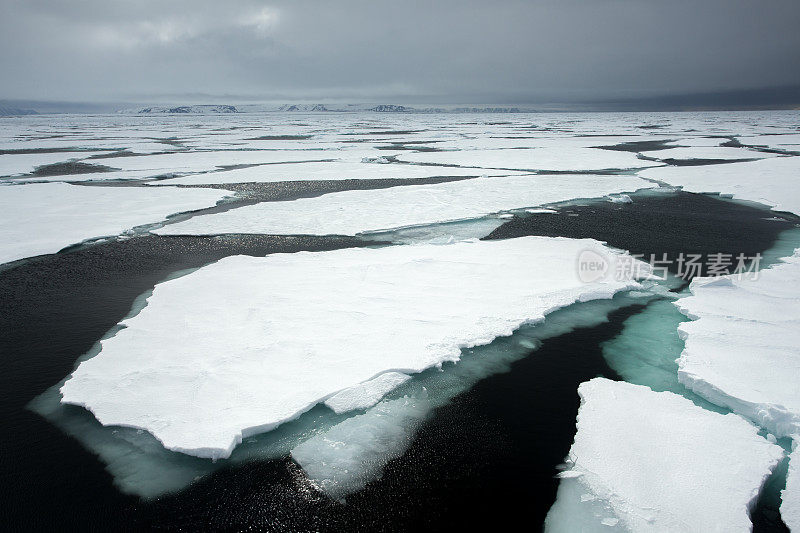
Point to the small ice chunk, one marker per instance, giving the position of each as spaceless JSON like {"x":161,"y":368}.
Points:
{"x":620,"y":199}
{"x":366,"y":394}
{"x":635,"y":446}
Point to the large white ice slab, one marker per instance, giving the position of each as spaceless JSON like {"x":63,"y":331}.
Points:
{"x":708,"y":152}
{"x":647,"y":461}
{"x":555,"y":158}
{"x":743,"y":345}
{"x":774,"y":182}
{"x":333,"y":170}
{"x":271,"y":337}
{"x":353,"y":212}
{"x":43,"y":218}
{"x":790,"y":505}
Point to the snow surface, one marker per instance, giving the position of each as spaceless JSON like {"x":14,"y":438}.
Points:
{"x":353,"y":212}
{"x":366,"y":394}
{"x":773,"y":182}
{"x":790,"y":506}
{"x":743,"y":345}
{"x":282,"y":333}
{"x":556,"y":158}
{"x":43,"y":218}
{"x":634,"y":447}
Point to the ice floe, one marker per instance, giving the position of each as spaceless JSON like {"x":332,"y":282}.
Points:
{"x":556,"y":158}
{"x":708,"y":152}
{"x":353,"y":212}
{"x":333,"y":170}
{"x":280,"y":334}
{"x":654,"y":461}
{"x":773,"y":182}
{"x":44,"y":218}
{"x":790,"y":506}
{"x":742,"y":344}
{"x":366,"y":394}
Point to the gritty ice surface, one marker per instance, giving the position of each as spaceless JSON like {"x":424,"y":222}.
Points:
{"x":557,"y":158}
{"x":14,"y":164}
{"x":654,"y":462}
{"x":790,"y":506}
{"x":742,"y":345}
{"x":332,"y":170}
{"x":773,"y":182}
{"x":366,"y":394}
{"x":280,"y":334}
{"x":353,"y":212}
{"x":44,"y":218}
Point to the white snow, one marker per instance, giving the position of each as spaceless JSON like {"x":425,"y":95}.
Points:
{"x":44,"y":218}
{"x":557,"y":158}
{"x":353,"y":212}
{"x":654,"y":462}
{"x":790,"y":506}
{"x":743,"y":345}
{"x":333,"y":170}
{"x":773,"y":182}
{"x":366,"y":394}
{"x":276,"y":335}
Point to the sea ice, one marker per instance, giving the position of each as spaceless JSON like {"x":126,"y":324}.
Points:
{"x":353,"y":212}
{"x":332,"y":170}
{"x":14,"y":164}
{"x":742,"y":344}
{"x":790,"y":506}
{"x":366,"y":394}
{"x":550,"y":158}
{"x":773,"y":181}
{"x":44,"y":218}
{"x":654,"y":461}
{"x":708,"y":152}
{"x":279,"y":334}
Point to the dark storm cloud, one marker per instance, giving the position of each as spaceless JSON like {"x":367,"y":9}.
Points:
{"x":502,"y":50}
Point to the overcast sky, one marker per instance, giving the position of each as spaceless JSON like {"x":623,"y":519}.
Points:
{"x":454,"y":51}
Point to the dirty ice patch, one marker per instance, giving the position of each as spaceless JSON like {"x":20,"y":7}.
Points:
{"x":279,"y":334}
{"x":773,"y":182}
{"x":633,"y":448}
{"x":44,"y":218}
{"x":358,"y":211}
{"x":14,"y":164}
{"x":549,"y":158}
{"x":743,"y":344}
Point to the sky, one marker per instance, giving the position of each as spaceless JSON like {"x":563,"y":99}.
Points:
{"x":399,"y":51}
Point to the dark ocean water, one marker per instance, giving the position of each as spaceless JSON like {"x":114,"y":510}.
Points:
{"x":488,"y":457}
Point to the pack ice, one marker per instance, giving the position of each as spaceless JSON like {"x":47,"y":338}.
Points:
{"x":268,"y":338}
{"x":773,"y":181}
{"x":742,"y":344}
{"x":634,"y":447}
{"x":44,"y":218}
{"x":353,"y":212}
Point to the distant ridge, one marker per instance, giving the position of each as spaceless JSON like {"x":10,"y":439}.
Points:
{"x":7,"y":111}
{"x":191,"y":109}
